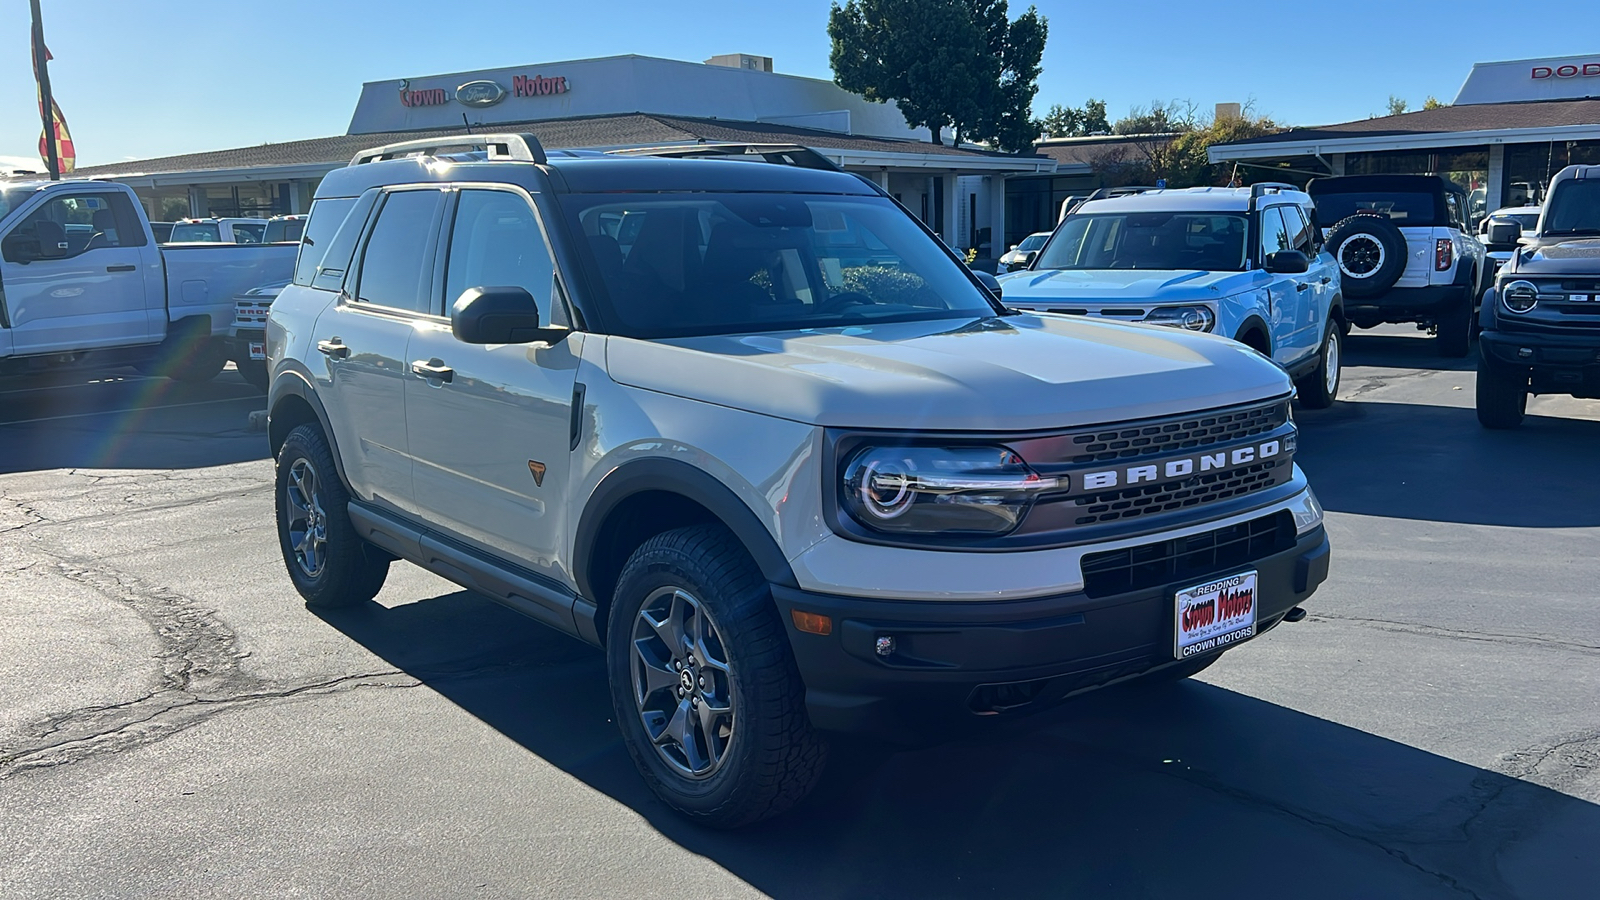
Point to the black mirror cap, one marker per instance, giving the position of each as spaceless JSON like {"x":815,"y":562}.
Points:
{"x":20,"y":249}
{"x":988,"y":281}
{"x":499,"y":315}
{"x":1504,"y":231}
{"x":1287,"y":262}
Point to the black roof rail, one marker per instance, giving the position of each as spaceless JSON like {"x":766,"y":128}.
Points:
{"x":780,"y":154}
{"x":1127,"y":190}
{"x":1262,"y":188}
{"x":524,"y":147}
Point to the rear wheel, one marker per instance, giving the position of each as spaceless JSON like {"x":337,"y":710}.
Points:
{"x":1502,"y":397}
{"x":1319,"y":389}
{"x":1454,"y":338}
{"x":254,"y":372}
{"x":330,"y":565}
{"x":705,"y":688}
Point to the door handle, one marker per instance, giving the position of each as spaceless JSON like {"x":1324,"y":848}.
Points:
{"x":120,"y":268}
{"x":334,"y":348}
{"x":1326,"y":279}
{"x":1302,"y":286}
{"x":433,"y":368}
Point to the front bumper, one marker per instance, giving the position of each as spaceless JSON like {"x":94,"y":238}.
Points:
{"x":971,"y":660}
{"x":1554,"y":363}
{"x":246,"y":344}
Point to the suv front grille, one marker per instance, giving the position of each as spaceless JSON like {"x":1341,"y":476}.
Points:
{"x":1191,"y":558}
{"x":1180,"y":433}
{"x":1131,"y":503}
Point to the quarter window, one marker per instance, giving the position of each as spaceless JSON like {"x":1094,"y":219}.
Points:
{"x":497,"y":242}
{"x":396,"y":255}
{"x":326,"y":216}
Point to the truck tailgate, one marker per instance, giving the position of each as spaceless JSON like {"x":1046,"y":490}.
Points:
{"x":202,"y":279}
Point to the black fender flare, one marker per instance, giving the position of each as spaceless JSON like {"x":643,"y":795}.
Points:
{"x":675,"y":477}
{"x":291,"y":382}
{"x":1255,"y":321}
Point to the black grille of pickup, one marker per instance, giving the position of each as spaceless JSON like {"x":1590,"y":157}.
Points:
{"x":1179,"y":433}
{"x":1191,"y":558}
{"x":1130,"y":503}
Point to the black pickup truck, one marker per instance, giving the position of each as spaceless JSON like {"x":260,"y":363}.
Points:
{"x":1541,"y":320}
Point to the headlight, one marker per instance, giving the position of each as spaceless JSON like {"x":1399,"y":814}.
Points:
{"x":941,"y":490}
{"x":1189,"y":318}
{"x":1307,"y":513}
{"x":1520,"y":296}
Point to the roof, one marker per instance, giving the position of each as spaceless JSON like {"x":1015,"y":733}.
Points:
{"x":1088,"y":150}
{"x":1446,"y":120}
{"x":1199,"y":199}
{"x":622,"y":130}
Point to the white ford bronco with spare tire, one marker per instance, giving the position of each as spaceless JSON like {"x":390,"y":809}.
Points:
{"x":748,"y":426}
{"x":1406,"y":253}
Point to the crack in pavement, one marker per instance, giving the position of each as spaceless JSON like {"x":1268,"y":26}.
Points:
{"x":1455,"y":634}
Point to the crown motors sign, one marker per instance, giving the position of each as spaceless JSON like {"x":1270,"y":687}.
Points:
{"x":482,"y":93}
{"x":1570,"y":70}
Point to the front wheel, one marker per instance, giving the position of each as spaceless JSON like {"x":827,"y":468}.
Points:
{"x":330,"y":565}
{"x":1502,"y":397}
{"x":1454,"y":338}
{"x":1319,"y":389}
{"x":705,"y":688}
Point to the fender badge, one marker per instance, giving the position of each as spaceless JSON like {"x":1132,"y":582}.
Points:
{"x":537,"y":468}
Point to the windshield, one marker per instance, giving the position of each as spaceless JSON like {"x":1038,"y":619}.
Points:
{"x":281,"y":230}
{"x":1212,"y":242}
{"x":676,"y":265}
{"x":207,"y":232}
{"x":11,"y":198}
{"x":1574,"y":208}
{"x":1401,"y":207}
{"x":1034,"y":241}
{"x":247,"y":234}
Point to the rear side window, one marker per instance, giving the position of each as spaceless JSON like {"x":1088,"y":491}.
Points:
{"x":396,"y":254}
{"x":497,"y":242}
{"x":1408,"y":208}
{"x":328,"y":272}
{"x":326,"y":217}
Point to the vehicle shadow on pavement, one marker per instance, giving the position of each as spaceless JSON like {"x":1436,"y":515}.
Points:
{"x":1402,"y":351}
{"x":1411,"y":461}
{"x":1180,"y":790}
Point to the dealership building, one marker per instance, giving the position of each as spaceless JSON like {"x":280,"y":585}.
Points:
{"x":610,"y":103}
{"x":1512,"y":126}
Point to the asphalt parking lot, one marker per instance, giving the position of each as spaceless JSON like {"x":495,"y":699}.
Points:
{"x":174,"y":723}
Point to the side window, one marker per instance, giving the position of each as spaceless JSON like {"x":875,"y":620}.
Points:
{"x":396,"y":254}
{"x":71,"y":224}
{"x":1274,"y":234}
{"x":337,"y":259}
{"x":1299,"y":229}
{"x":497,"y":242}
{"x":247,"y":233}
{"x":1453,"y":206}
{"x":326,"y":217}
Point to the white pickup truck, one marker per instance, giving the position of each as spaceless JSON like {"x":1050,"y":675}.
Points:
{"x":83,"y":283}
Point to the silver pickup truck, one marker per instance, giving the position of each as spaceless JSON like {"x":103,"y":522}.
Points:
{"x":84,"y":283}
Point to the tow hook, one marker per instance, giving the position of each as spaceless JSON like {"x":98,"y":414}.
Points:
{"x":1294,"y":615}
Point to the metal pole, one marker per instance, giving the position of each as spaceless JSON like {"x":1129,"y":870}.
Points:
{"x":47,"y":102}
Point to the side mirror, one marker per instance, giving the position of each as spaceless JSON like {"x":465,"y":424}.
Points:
{"x":988,"y":281}
{"x":1504,"y":231}
{"x":19,"y":248}
{"x":499,"y":315}
{"x":1027,"y":257}
{"x":1012,"y":247}
{"x":1287,"y":262}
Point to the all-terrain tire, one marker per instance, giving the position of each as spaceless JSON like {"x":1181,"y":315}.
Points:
{"x":1320,"y":388}
{"x":1502,"y":396}
{"x":1454,"y":337}
{"x":771,"y":757}
{"x":254,"y":372}
{"x":190,"y":354}
{"x":1370,"y":252}
{"x":330,"y":565}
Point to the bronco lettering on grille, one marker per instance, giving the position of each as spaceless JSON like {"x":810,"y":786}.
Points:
{"x":1178,"y":468}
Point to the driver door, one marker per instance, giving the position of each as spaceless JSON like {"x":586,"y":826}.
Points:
{"x":1284,"y":297}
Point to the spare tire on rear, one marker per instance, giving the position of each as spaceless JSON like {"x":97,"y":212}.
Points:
{"x":1370,"y":251}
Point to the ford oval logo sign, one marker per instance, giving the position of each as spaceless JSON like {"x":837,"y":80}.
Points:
{"x":480,"y":94}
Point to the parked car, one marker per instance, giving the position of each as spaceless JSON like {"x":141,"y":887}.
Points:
{"x":1022,"y":253}
{"x":86,"y":284}
{"x":218,"y":231}
{"x":162,"y":231}
{"x":1405,"y":253}
{"x":785,"y":494}
{"x":247,"y":337}
{"x":283,"y":229}
{"x":1245,"y":263}
{"x":1541,"y":320}
{"x":1527,"y":219}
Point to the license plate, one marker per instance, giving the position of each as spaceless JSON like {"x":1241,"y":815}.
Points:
{"x":258,"y":350}
{"x":1215,"y":615}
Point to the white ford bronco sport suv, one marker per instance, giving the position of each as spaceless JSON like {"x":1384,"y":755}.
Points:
{"x":751,"y":429}
{"x":1246,"y":263}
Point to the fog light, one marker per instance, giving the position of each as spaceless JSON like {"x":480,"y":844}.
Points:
{"x":1525,"y":353}
{"x":884,"y":646}
{"x":811,"y":623}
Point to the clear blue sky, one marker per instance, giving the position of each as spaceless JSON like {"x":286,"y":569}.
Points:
{"x":148,"y":79}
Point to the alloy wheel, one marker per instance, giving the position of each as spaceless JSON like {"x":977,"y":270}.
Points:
{"x":308,"y":524}
{"x":1361,"y":255}
{"x":683,"y":683}
{"x":1330,"y":362}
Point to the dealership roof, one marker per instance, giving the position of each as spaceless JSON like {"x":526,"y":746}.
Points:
{"x":1076,"y":155}
{"x":1446,"y":126}
{"x":622,"y":130}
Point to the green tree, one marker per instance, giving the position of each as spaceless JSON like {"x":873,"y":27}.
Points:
{"x":1161,"y":117}
{"x":961,"y":64}
{"x":1070,"y":121}
{"x":1433,"y":103}
{"x":1180,"y":160}
{"x":1396,"y":106}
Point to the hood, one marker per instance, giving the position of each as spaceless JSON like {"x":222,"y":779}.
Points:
{"x":1017,"y":373}
{"x":1119,"y":285}
{"x":1555,"y":256}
